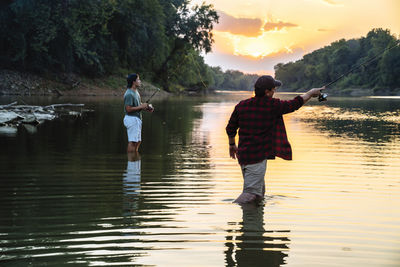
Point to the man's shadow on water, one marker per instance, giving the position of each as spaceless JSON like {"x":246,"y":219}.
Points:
{"x":252,"y":245}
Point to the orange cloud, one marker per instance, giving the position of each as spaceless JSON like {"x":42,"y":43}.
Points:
{"x":260,"y":54}
{"x":276,"y":26}
{"x":248,"y":27}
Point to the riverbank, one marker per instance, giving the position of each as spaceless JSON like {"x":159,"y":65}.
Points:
{"x":356,"y":92}
{"x":28,"y":84}
{"x":362,"y":92}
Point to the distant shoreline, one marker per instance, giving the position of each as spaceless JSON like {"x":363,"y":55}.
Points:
{"x":28,"y":84}
{"x":23,"y":83}
{"x":334,"y":92}
{"x":351,"y":92}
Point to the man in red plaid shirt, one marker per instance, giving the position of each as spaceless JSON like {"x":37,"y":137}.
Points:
{"x":262,"y":134}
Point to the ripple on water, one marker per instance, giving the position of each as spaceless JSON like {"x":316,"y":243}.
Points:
{"x":336,"y":204}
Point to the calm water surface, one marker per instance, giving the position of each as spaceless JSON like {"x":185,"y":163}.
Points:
{"x":71,"y":195}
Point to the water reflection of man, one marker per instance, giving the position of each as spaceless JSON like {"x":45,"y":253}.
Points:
{"x":131,"y":182}
{"x":250,"y":246}
{"x":262,"y":134}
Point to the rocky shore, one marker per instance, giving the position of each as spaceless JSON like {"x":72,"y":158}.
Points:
{"x":28,"y":84}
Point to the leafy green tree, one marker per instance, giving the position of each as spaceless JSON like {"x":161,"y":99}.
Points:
{"x":232,"y":80}
{"x":217,"y":77}
{"x":390,"y":69}
{"x":56,"y":35}
{"x":138,"y":30}
{"x":161,"y":39}
{"x":87,"y":25}
{"x":189,"y":28}
{"x":326,"y":64}
{"x":28,"y":28}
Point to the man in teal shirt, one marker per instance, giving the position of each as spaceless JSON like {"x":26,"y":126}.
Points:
{"x":133,"y":112}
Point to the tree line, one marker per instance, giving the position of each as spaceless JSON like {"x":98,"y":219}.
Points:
{"x":328,"y":63}
{"x":232,"y":80}
{"x":163,"y":40}
{"x":160,"y":39}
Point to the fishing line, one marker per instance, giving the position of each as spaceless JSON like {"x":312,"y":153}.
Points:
{"x":323,"y":96}
{"x":151,"y":106}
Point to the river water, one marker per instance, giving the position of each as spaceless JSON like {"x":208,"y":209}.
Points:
{"x":71,"y":195}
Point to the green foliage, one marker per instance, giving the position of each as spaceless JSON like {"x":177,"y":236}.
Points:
{"x":160,"y":39}
{"x":326,"y":64}
{"x":195,"y":25}
{"x":232,"y":79}
{"x":189,"y":29}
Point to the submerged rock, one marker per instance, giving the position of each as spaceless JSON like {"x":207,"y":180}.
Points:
{"x":8,"y":116}
{"x":30,"y":128}
{"x":12,"y":115}
{"x":29,"y":118}
{"x":8,"y":130}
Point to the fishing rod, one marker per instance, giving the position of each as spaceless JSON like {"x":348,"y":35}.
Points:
{"x":323,"y":96}
{"x":154,"y":93}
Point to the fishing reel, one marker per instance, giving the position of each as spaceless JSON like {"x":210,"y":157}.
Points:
{"x":322,"y":97}
{"x":150,"y":107}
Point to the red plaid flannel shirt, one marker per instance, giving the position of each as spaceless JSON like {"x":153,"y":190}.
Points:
{"x":262,"y":133}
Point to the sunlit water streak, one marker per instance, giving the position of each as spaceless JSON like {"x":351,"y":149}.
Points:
{"x":80,"y":201}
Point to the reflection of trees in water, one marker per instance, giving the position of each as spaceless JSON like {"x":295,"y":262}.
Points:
{"x":371,"y":120}
{"x":170,"y":133}
{"x":366,"y":130}
{"x":251,"y":245}
{"x":68,"y":178}
{"x":174,"y":165}
{"x":175,"y":158}
{"x":178,"y":148}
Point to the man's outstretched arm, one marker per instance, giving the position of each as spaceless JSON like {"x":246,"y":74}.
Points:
{"x":312,"y":93}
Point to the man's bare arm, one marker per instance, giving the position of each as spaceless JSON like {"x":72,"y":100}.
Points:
{"x":138,"y":108}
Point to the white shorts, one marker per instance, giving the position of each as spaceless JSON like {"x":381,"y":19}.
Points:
{"x":253,"y":176}
{"x":134,"y":128}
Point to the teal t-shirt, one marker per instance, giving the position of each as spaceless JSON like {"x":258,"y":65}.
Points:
{"x":132,"y":98}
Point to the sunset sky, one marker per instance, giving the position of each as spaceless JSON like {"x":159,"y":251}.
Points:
{"x":254,"y":35}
